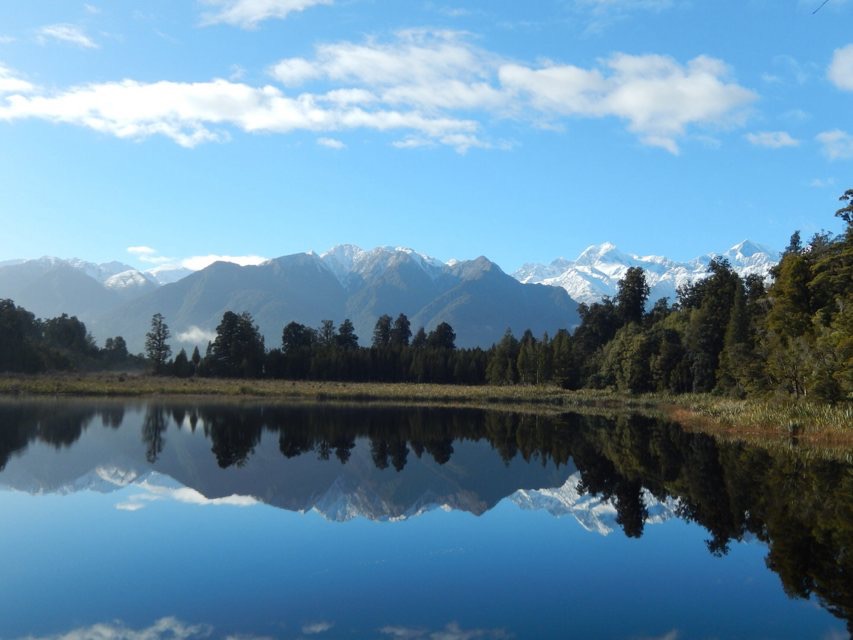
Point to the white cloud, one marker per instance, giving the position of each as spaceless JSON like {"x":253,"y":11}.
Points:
{"x":10,"y":82}
{"x":670,"y":635}
{"x":822,"y":183}
{"x":451,"y":632}
{"x":841,"y":69}
{"x":151,"y":255}
{"x":405,"y":633}
{"x":657,"y":96}
{"x":166,"y":628}
{"x":191,"y":496}
{"x":600,"y":14}
{"x":141,"y":250}
{"x":315,"y":628}
{"x":837,"y":144}
{"x":7,"y":39}
{"x":196,"y":335}
{"x":248,"y":14}
{"x":196,"y":263}
{"x":91,"y":9}
{"x":331,"y":143}
{"x":420,"y":68}
{"x":130,"y":506}
{"x":185,"y":495}
{"x":431,"y":87}
{"x":772,"y":139}
{"x":148,"y":255}
{"x":193,"y":113}
{"x":69,"y":33}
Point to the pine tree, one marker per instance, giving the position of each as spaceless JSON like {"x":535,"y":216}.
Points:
{"x":157,"y":348}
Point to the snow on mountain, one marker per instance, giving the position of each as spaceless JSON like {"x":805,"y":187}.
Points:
{"x":593,"y":513}
{"x":167,"y":274}
{"x":102,"y":480}
{"x":346,"y":260}
{"x":598,"y":269}
{"x":129,"y":279}
{"x":100,"y":272}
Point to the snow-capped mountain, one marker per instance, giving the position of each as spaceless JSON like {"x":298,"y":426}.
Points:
{"x":592,"y":512}
{"x":167,"y":274}
{"x":129,"y":279}
{"x":100,"y":272}
{"x":346,"y":260}
{"x":598,"y":269}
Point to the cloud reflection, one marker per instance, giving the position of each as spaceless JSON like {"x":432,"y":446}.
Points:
{"x":451,"y":632}
{"x":156,"y":491}
{"x":169,"y":628}
{"x":317,"y":627}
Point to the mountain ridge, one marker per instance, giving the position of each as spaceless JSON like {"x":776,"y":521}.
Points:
{"x":476,"y":296}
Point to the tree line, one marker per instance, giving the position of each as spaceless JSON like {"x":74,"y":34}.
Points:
{"x":32,"y":345}
{"x":725,"y":334}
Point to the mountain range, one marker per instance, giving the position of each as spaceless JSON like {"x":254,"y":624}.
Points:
{"x":596,"y":272}
{"x":109,"y":460}
{"x":477,"y":298}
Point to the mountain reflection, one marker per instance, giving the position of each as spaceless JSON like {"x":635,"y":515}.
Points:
{"x":389,"y":462}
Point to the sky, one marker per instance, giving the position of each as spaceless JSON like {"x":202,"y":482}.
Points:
{"x":178,"y":131}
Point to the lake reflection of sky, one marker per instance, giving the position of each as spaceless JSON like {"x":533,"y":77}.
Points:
{"x":161,"y":561}
{"x":76,"y":560}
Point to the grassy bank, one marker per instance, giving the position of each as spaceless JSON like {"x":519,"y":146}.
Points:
{"x":759,"y":421}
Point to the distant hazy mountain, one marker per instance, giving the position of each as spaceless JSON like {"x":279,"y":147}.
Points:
{"x":298,"y":287}
{"x":597,"y":271}
{"x":51,"y":286}
{"x":476,"y":297}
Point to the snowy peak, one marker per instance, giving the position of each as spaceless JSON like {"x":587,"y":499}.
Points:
{"x":129,"y":279}
{"x":347,"y":260}
{"x":598,"y":269}
{"x":167,"y":274}
{"x":100,"y":272}
{"x":592,"y":512}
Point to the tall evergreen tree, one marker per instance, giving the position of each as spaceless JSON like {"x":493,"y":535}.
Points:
{"x":346,"y":338}
{"x":238,"y":349}
{"x":631,"y":296}
{"x":382,"y":332}
{"x":401,"y":332}
{"x":157,"y":348}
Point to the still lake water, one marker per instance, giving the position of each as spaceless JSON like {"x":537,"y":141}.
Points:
{"x":143,"y":521}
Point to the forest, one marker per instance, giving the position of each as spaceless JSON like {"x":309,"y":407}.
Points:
{"x":723,"y":334}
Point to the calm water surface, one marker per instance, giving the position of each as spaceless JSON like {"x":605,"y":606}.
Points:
{"x":143,"y":521}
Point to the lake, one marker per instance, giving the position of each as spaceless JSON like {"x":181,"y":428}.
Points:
{"x":182,"y":520}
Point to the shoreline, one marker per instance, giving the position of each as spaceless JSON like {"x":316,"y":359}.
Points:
{"x":757,"y":421}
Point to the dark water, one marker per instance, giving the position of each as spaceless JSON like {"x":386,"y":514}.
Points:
{"x":183,"y":521}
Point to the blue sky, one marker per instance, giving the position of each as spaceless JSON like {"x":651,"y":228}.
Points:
{"x":520,"y":131}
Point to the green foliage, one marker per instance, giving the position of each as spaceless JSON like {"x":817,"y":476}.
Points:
{"x":401,"y":332}
{"x":346,"y":338}
{"x":157,"y":348}
{"x":238,"y":350}
{"x":20,"y":334}
{"x":631,"y":296}
{"x":382,"y":332}
{"x":442,"y":337}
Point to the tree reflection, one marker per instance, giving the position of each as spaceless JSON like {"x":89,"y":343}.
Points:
{"x":801,"y":508}
{"x":153,"y":428}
